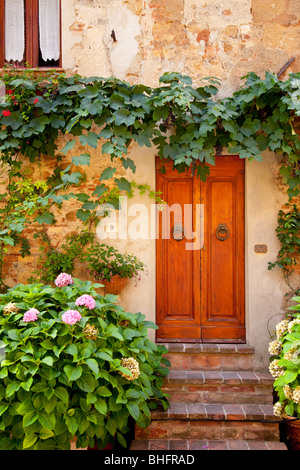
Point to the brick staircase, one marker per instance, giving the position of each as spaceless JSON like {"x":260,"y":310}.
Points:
{"x":217,"y":402}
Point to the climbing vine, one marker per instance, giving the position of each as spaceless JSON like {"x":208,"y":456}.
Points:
{"x":287,"y":232}
{"x":187,"y":124}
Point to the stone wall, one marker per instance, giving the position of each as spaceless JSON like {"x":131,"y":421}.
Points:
{"x":200,"y":38}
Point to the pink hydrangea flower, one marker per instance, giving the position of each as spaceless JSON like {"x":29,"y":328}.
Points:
{"x":31,"y":315}
{"x":86,"y":300}
{"x":63,"y":280}
{"x":71,"y":317}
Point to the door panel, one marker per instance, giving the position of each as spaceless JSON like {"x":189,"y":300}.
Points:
{"x":178,"y":269}
{"x":200,"y":292}
{"x":222,"y":259}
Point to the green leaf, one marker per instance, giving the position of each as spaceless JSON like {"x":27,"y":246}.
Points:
{"x":47,"y":420}
{"x":90,"y":139}
{"x":93,"y":365}
{"x":121,"y":440}
{"x":71,"y":178}
{"x":46,"y":433}
{"x":101,"y":406}
{"x":83,"y":215}
{"x":133,"y":409}
{"x":26,"y":385}
{"x":73,"y":373}
{"x":100,"y":190}
{"x":62,"y":394}
{"x":290,"y":376}
{"x":29,"y":440}
{"x":46,"y":218}
{"x":3,"y":408}
{"x":108,"y":147}
{"x":69,"y":145}
{"x":123,"y":184}
{"x":48,"y":360}
{"x":103,"y":391}
{"x":72,"y":424}
{"x":87,"y":383}
{"x":124,"y":116}
{"x":103,"y":355}
{"x":9,"y":241}
{"x":12,"y":387}
{"x":30,"y":418}
{"x":72,"y":349}
{"x":108,"y":173}
{"x":83,"y":159}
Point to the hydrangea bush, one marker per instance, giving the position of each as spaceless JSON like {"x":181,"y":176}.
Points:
{"x":76,"y":365}
{"x":285,"y":364}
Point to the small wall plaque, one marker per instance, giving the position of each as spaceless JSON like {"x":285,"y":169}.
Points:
{"x":260,"y":248}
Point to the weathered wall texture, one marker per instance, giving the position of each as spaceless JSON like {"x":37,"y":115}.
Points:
{"x":199,"y":38}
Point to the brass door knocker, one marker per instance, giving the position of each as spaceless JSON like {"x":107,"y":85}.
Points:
{"x":222,"y":228}
{"x":178,"y":232}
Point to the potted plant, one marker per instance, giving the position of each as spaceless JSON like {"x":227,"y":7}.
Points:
{"x":112,"y":268}
{"x":285,"y":368}
{"x":76,"y":367}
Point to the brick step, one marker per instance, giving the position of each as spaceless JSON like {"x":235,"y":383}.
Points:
{"x":191,"y":356}
{"x":212,"y":421}
{"x":204,"y":444}
{"x":219,"y":387}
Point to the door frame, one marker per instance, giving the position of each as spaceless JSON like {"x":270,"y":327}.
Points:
{"x":241,"y":337}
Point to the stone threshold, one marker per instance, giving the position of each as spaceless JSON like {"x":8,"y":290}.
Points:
{"x":216,"y":412}
{"x":204,"y":444}
{"x":218,"y":376}
{"x":196,"y":348}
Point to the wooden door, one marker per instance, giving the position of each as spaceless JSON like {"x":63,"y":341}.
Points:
{"x":200,"y":290}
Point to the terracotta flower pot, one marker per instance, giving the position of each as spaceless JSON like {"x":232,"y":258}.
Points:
{"x":296,"y":124}
{"x":115,"y":285}
{"x":291,"y":431}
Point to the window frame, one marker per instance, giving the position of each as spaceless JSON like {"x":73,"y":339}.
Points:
{"x":31,"y":35}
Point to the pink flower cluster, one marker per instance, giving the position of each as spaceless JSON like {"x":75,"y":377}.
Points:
{"x":63,"y":280}
{"x":71,"y":317}
{"x":31,"y":315}
{"x":86,"y":300}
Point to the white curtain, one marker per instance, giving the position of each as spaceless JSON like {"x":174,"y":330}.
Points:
{"x":49,"y":28}
{"x":14,"y":30}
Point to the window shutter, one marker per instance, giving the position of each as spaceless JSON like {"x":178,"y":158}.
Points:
{"x":49,"y":29}
{"x":14,"y":30}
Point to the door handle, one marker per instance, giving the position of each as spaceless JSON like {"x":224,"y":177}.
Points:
{"x":222,"y":228}
{"x":178,"y":232}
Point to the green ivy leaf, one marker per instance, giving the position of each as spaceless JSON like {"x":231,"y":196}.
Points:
{"x":123,"y":184}
{"x":45,"y":218}
{"x":83,"y":159}
{"x":108,"y":173}
{"x":69,"y":146}
{"x":90,"y":139}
